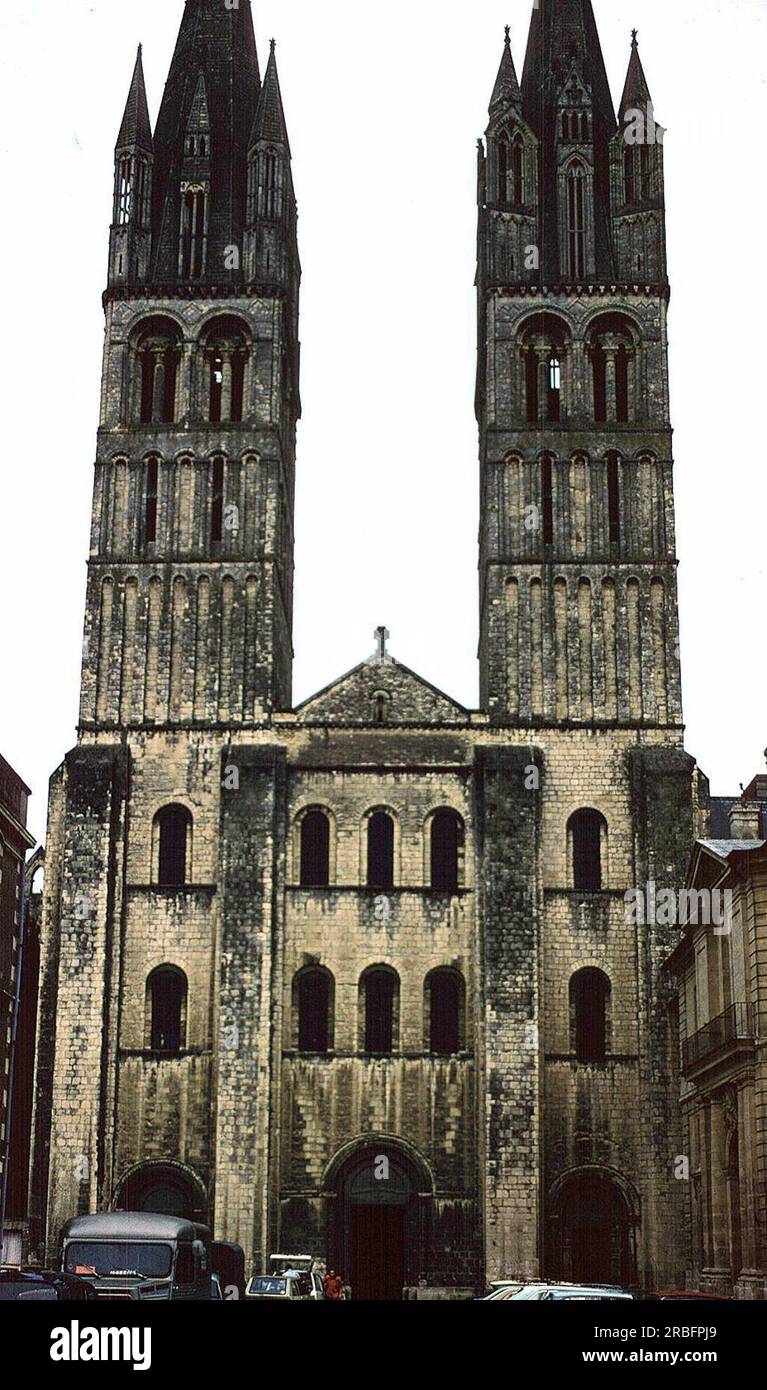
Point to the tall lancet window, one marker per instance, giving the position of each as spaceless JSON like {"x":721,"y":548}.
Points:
{"x":576,"y":220}
{"x":194,"y":232}
{"x":124,"y":191}
{"x":517,"y":171}
{"x":504,"y":162}
{"x":270,"y":184}
{"x":511,"y":169}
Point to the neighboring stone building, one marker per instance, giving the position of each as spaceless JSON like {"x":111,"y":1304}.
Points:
{"x":720,"y":968}
{"x":356,"y":977}
{"x":15,"y":840}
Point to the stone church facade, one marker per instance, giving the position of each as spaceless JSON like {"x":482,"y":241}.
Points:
{"x":356,"y":975}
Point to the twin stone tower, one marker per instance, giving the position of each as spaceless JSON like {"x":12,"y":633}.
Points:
{"x":356,"y":978}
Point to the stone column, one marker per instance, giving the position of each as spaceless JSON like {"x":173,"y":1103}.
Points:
{"x":226,"y":385}
{"x":158,"y":387}
{"x":247,"y":385}
{"x":577,"y":378}
{"x":184,"y":382}
{"x":543,"y":384}
{"x":631,"y":371}
{"x":611,"y":395}
{"x":747,"y":1160}
{"x":720,"y":1254}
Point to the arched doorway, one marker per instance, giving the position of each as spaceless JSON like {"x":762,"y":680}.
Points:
{"x":592,"y":1228}
{"x":168,"y":1189}
{"x":380,"y":1200}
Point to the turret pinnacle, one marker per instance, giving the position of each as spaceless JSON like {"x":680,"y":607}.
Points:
{"x":506,"y":91}
{"x":269,"y":123}
{"x":136,"y":128}
{"x":636,"y":93}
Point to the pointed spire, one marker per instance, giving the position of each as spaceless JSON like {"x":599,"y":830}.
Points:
{"x":269,"y":123}
{"x":563,"y":32}
{"x":506,"y":90}
{"x":136,"y":128}
{"x":636,"y":93}
{"x":217,"y":41}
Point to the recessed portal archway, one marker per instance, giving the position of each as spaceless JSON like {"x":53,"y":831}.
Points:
{"x":381,"y":1197}
{"x":168,"y":1189}
{"x":592,"y":1229}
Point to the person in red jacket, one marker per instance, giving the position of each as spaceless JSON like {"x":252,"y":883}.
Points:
{"x":333,"y":1286}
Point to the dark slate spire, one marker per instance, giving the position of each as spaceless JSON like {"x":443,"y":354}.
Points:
{"x":560,"y":31}
{"x":136,"y":129}
{"x":506,"y":91}
{"x":563,"y":42}
{"x":217,"y":44}
{"x":636,"y":93}
{"x":269,"y":124}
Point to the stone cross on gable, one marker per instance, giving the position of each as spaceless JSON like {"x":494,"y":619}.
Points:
{"x":382,"y":635}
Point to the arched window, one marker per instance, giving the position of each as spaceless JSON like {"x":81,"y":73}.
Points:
{"x":315,"y":850}
{"x":158,"y":351}
{"x":151,"y":479}
{"x":586,"y":830}
{"x":544,"y":345}
{"x":585,"y":132}
{"x":166,"y":997}
{"x":313,"y":1007}
{"x":547,"y":499}
{"x":173,"y":826}
{"x":576,"y":220}
{"x":446,"y":851}
{"x":612,"y":345}
{"x":565,"y":126}
{"x":381,"y":707}
{"x":614,"y":497}
{"x":380,"y":835}
{"x":590,"y":1015}
{"x":445,"y":1012}
{"x":226,"y":352}
{"x":379,"y":990}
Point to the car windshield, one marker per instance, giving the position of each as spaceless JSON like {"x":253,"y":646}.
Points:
{"x":119,"y":1258}
{"x":268,"y":1286}
{"x":526,"y":1293}
{"x":24,"y":1292}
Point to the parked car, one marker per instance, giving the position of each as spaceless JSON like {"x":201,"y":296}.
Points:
{"x":292,"y":1285}
{"x":559,"y":1293}
{"x":301,"y":1265}
{"x":43,"y":1286}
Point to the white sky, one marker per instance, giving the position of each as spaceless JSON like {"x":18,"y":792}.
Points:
{"x":384,"y":106}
